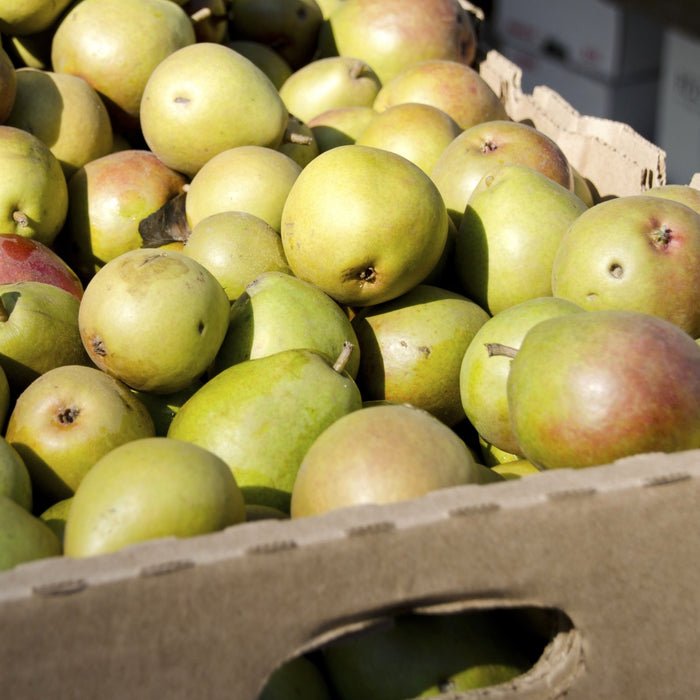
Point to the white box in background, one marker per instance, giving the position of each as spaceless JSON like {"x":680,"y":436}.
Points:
{"x":678,"y":107}
{"x":626,"y":100}
{"x":593,"y":35}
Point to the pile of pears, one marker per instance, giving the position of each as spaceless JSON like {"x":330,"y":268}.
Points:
{"x":317,"y":266}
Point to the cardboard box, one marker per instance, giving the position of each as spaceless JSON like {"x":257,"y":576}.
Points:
{"x":678,"y":107}
{"x":611,"y":549}
{"x":595,"y":36}
{"x":630,"y":100}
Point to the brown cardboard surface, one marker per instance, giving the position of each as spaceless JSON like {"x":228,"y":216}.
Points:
{"x":613,"y":547}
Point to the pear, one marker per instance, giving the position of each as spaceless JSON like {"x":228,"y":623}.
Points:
{"x":411,"y":349}
{"x":205,"y":84}
{"x":298,"y":677}
{"x":15,"y":481}
{"x":382,"y":453}
{"x":363,"y":224}
{"x":29,"y":16}
{"x":210,"y":19}
{"x":299,"y":142}
{"x":341,"y":126}
{"x":415,"y":131}
{"x":685,"y":194}
{"x":455,"y":88}
{"x":149,"y":488}
{"x":329,"y":83}
{"x":134,"y":36}
{"x":279,"y":312}
{"x":23,"y":536}
{"x":483,"y":146}
{"x":261,"y":416}
{"x":66,"y":113}
{"x":483,"y":376}
{"x":38,"y":331}
{"x":55,"y":517}
{"x":33,"y":188}
{"x":236,"y":247}
{"x":392,"y":35}
{"x":264,"y":57}
{"x":154,"y":319}
{"x":163,"y":407}
{"x":290,"y":27}
{"x":516,"y":469}
{"x":254,"y":179}
{"x":8,"y":85}
{"x":510,"y":233}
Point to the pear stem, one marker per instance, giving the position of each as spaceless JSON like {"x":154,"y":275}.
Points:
{"x":501,"y":350}
{"x":20,"y":218}
{"x":296,"y":137}
{"x":201,"y":14}
{"x":343,"y":357}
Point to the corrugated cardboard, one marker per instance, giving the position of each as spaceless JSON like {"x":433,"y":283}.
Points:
{"x":612,"y":548}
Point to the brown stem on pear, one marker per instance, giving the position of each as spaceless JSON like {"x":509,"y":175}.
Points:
{"x":499,"y":349}
{"x":343,"y":357}
{"x":201,"y":14}
{"x":20,"y":218}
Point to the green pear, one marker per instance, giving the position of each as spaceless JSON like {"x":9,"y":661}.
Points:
{"x":254,"y":179}
{"x":6,"y":398}
{"x":33,"y":188}
{"x":509,"y":234}
{"x":8,"y":85}
{"x":29,"y":16}
{"x":516,"y":469}
{"x":363,"y":224}
{"x":279,"y":312}
{"x":23,"y":537}
{"x":329,"y":83}
{"x":415,"y":131}
{"x":65,"y":420}
{"x":154,"y":319}
{"x":236,"y":247}
{"x":163,"y":407}
{"x":55,"y":517}
{"x":382,"y":453}
{"x":295,"y":679}
{"x":210,"y":19}
{"x":392,"y":35}
{"x":32,"y":50}
{"x":290,"y":27}
{"x":299,"y":142}
{"x":38,"y":331}
{"x":483,"y":146}
{"x":411,"y":349}
{"x":264,"y":57}
{"x":66,"y":113}
{"x":483,"y":376}
{"x":262,"y":415}
{"x":341,"y":126}
{"x":453,"y":87}
{"x":108,"y":198}
{"x":416,"y":655}
{"x":133,"y":36}
{"x":150,"y":488}
{"x":685,"y":194}
{"x":635,"y":252}
{"x":587,"y":389}
{"x":15,"y":480}
{"x":206,"y":84}
{"x":492,"y":456}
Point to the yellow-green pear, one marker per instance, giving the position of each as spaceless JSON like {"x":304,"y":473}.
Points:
{"x":264,"y":57}
{"x":150,"y":488}
{"x":236,"y":247}
{"x":29,"y":16}
{"x":154,"y":319}
{"x":685,"y":194}
{"x":204,"y":84}
{"x":33,"y":188}
{"x":116,"y":44}
{"x":23,"y":536}
{"x":260,"y":416}
{"x":66,"y":113}
{"x":329,"y":83}
{"x":55,"y":516}
{"x":380,"y":454}
{"x":411,"y":349}
{"x":299,"y":142}
{"x":341,"y":126}
{"x":516,"y":469}
{"x":15,"y":481}
{"x":254,"y":179}
{"x":363,"y":224}
{"x":509,"y":235}
{"x":279,"y":312}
